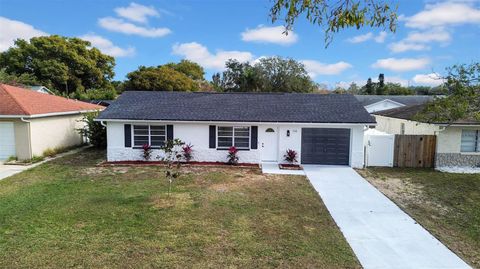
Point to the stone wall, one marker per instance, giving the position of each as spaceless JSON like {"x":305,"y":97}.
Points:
{"x":457,"y":159}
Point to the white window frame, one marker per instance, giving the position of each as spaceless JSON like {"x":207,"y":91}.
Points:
{"x":477,"y":141}
{"x":149,"y":135}
{"x":233,"y":136}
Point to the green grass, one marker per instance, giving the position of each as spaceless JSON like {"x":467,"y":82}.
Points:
{"x":70,"y":213}
{"x":448,"y":205}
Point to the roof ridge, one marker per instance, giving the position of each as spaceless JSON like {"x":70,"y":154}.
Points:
{"x":27,"y":112}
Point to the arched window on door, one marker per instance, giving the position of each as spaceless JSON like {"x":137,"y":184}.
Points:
{"x":269,"y":130}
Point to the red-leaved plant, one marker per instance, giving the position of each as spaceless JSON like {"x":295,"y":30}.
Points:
{"x":147,"y":152}
{"x":290,"y":156}
{"x":232,"y":155}
{"x":187,"y":152}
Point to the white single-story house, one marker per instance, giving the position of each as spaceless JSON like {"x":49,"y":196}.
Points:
{"x":32,"y":122}
{"x":322,"y":129}
{"x":374,"y":103}
{"x":458,"y":143}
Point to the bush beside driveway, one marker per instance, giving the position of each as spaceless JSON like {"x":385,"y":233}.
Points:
{"x":71,"y":213}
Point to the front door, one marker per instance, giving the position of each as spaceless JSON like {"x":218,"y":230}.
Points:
{"x":269,"y":143}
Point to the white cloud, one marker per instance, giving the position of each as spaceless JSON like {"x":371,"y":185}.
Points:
{"x":198,"y":53}
{"x":274,"y":35}
{"x":380,"y":38}
{"x":12,"y":30}
{"x":394,"y":79}
{"x":443,"y":14}
{"x":315,"y":68}
{"x":106,"y":46}
{"x":401,"y":64}
{"x":438,"y":34}
{"x":403,"y":46}
{"x":121,"y":26}
{"x":136,"y":12}
{"x":432,"y":79}
{"x":360,"y":38}
{"x":417,"y":41}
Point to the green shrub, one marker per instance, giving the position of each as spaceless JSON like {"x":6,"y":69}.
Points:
{"x":94,"y":130}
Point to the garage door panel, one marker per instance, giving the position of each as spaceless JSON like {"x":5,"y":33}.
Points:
{"x":7,"y":140}
{"x":326,"y":146}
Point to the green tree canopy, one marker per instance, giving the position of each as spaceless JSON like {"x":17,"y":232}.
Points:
{"x":189,"y":68}
{"x":161,"y":78}
{"x":335,"y":15}
{"x":61,"y":63}
{"x":463,"y":96}
{"x":271,"y":74}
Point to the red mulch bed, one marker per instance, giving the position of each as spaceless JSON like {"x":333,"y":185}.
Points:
{"x":288,"y":166}
{"x":160,"y":163}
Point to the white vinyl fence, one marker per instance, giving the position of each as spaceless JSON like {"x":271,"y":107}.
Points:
{"x":379,"y":148}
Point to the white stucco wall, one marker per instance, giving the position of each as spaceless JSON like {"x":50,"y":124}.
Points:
{"x":54,"y":132}
{"x":198,"y":135}
{"x":449,"y":140}
{"x":393,"y":126}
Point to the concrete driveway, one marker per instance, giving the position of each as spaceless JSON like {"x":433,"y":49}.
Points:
{"x":379,"y":232}
{"x":10,"y":170}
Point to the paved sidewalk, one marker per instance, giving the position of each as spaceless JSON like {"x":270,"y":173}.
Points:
{"x":379,"y":232}
{"x":10,"y":170}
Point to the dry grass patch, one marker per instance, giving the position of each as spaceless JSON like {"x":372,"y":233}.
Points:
{"x":445,"y":204}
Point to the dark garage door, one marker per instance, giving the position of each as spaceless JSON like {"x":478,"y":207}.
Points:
{"x":325,"y":146}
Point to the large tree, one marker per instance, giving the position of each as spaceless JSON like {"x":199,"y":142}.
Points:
{"x":160,"y":78}
{"x":271,"y":74}
{"x":61,"y":63}
{"x":335,"y":15}
{"x":463,"y":97}
{"x":189,"y":68}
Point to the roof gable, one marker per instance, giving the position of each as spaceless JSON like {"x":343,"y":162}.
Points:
{"x":19,"y":101}
{"x":407,"y":100}
{"x":237,"y":107}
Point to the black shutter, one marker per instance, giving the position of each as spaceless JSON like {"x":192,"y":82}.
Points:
{"x":169,"y":132}
{"x":254,"y":138}
{"x":128,"y":135}
{"x":212,"y":138}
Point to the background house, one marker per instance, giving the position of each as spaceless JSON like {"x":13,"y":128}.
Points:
{"x":373,"y":103}
{"x":458,"y":143}
{"x":41,"y":89}
{"x":31,"y":122}
{"x":323,"y":129}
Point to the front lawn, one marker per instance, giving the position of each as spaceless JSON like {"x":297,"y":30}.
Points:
{"x":448,"y":205}
{"x":71,"y":213}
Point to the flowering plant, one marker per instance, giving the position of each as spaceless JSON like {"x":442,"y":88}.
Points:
{"x":232,"y":155}
{"x":290,"y":156}
{"x":187,"y":152}
{"x":147,"y":152}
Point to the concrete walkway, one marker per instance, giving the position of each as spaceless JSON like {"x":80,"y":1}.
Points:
{"x":379,"y":232}
{"x":10,"y":170}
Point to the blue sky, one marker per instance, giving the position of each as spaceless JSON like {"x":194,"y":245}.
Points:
{"x":431,"y":35}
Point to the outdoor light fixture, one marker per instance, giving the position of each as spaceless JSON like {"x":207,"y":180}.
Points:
{"x":288,"y":133}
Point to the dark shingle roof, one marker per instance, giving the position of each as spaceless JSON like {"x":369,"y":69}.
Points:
{"x":409,"y":113}
{"x":237,"y":107}
{"x":407,"y":100}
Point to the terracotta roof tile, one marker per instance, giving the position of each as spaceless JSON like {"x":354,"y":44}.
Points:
{"x":19,"y":101}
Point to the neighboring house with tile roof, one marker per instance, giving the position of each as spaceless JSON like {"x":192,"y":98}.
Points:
{"x":32,"y":122}
{"x":374,"y":103}
{"x":322,"y":129}
{"x":458,"y":142}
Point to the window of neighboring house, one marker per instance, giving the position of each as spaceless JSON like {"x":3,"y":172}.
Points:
{"x":470,"y":141}
{"x":153,"y":135}
{"x":402,"y":128}
{"x":228,"y":136}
